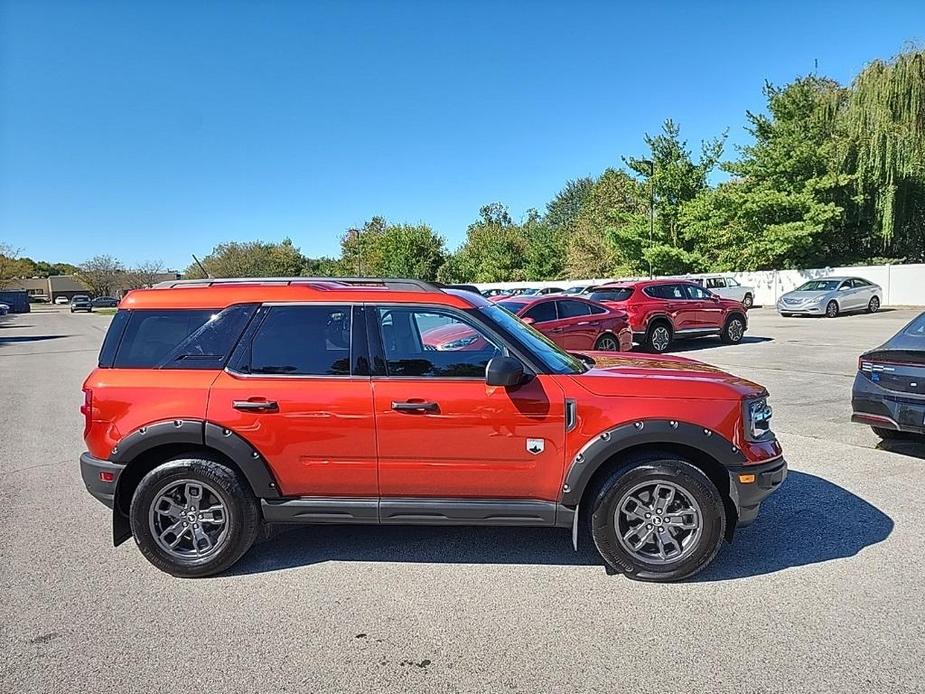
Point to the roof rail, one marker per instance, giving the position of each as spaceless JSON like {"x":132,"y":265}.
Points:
{"x":398,"y":284}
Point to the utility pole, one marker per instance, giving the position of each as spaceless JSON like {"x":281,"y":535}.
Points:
{"x":651,"y":165}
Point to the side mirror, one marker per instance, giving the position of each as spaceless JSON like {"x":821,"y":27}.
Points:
{"x":843,"y":287}
{"x":504,"y":371}
{"x":528,"y":320}
{"x":715,"y":297}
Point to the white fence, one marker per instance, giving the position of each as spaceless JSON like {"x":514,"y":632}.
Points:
{"x":903,"y":285}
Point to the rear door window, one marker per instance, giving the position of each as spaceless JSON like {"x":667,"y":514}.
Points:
{"x":573,"y":309}
{"x":300,"y":341}
{"x":542,"y":313}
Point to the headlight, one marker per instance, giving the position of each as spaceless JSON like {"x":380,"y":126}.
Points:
{"x":758,"y":420}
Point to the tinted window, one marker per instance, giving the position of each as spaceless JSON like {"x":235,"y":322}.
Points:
{"x":916,"y":327}
{"x":860,"y":283}
{"x":731,"y":282}
{"x":573,"y":309}
{"x":666,"y":291}
{"x":302,"y":341}
{"x":620,"y":294}
{"x":818,"y":286}
{"x":542,"y":313}
{"x":696,"y":293}
{"x":211,"y":344}
{"x":150,"y":336}
{"x":512,"y":306}
{"x":715,"y":282}
{"x":431,"y":343}
{"x":113,"y":337}
{"x":598,"y":309}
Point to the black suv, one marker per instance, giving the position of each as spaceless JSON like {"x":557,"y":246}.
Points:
{"x":81,"y":302}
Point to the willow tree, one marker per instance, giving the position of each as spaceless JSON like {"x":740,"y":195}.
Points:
{"x":884,"y":118}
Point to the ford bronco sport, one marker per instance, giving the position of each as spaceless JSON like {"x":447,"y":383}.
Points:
{"x":220,"y":405}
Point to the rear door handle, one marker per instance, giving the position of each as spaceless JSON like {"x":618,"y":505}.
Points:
{"x":409,"y":406}
{"x":255,"y":405}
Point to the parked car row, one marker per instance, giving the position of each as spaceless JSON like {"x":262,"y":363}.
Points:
{"x":82,"y":302}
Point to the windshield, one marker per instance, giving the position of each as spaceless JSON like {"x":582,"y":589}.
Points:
{"x":574,"y":290}
{"x":818,"y":286}
{"x":916,"y":327}
{"x":539,"y":345}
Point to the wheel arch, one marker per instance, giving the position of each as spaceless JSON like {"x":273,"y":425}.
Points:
{"x":707,"y":450}
{"x":147,"y":447}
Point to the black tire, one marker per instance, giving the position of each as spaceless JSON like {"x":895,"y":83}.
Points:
{"x":831,"y":309}
{"x":889,"y":434}
{"x":655,"y":337}
{"x":733,"y":331}
{"x":607,"y":343}
{"x":242,"y":520}
{"x":873,"y":305}
{"x":748,"y":301}
{"x":647,"y":468}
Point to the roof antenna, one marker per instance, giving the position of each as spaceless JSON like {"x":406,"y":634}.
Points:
{"x":204,"y":271}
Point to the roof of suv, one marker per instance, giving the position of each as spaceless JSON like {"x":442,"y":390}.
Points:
{"x":642,"y":283}
{"x":219,"y":293}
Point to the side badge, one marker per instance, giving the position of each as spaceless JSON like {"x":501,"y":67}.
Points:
{"x":535,"y":446}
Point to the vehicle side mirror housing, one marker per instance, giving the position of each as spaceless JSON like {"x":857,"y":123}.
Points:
{"x":528,"y":320}
{"x":715,"y":297}
{"x":841,"y":289}
{"x":504,"y":371}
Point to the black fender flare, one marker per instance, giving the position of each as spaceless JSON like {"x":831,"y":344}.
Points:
{"x":199,"y":432}
{"x":652,"y":432}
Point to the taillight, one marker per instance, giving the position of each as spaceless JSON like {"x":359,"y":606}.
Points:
{"x":87,"y":410}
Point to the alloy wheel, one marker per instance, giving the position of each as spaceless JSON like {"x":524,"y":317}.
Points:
{"x":661,"y":338}
{"x":735,"y":330}
{"x":873,"y":305}
{"x":607,"y":344}
{"x":658,"y":522}
{"x":831,"y":310}
{"x":188,"y":519}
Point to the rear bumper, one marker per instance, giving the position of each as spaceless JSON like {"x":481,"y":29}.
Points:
{"x":748,"y":495}
{"x":96,"y":476}
{"x":877,"y":407}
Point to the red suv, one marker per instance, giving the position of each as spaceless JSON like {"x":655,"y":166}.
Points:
{"x":661,"y":311}
{"x":221,"y":405}
{"x":574,"y":323}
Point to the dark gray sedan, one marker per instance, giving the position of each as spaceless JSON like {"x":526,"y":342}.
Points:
{"x":831,"y":296}
{"x":889,"y":389}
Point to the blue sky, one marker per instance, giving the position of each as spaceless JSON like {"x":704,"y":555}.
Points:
{"x":156,"y":130}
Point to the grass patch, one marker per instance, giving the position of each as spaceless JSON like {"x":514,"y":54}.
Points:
{"x":106,"y":311}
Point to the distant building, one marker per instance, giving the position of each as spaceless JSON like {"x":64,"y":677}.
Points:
{"x":48,"y":288}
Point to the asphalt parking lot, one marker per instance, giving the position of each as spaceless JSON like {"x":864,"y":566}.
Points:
{"x":823,"y":593}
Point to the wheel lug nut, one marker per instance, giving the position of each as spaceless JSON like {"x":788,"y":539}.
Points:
{"x":649,"y":527}
{"x":185,"y":524}
{"x":648,"y":515}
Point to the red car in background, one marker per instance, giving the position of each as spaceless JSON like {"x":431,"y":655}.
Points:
{"x":662,"y":311}
{"x":574,"y":323}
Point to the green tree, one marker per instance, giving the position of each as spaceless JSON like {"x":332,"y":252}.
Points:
{"x":103,"y":275}
{"x":251,"y":259}
{"x":546,"y":248}
{"x":393,"y":250}
{"x":494,"y":250}
{"x":564,"y":208}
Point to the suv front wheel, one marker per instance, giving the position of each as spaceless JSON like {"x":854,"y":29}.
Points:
{"x":193,"y":516}
{"x":733,"y":331}
{"x":658,"y":519}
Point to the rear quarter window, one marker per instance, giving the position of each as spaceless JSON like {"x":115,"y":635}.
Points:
{"x":177,"y":338}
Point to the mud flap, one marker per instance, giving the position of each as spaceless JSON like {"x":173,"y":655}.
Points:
{"x":121,"y":529}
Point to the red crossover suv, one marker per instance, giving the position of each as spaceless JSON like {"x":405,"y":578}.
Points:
{"x":573,"y":323}
{"x":221,"y":405}
{"x":661,"y":311}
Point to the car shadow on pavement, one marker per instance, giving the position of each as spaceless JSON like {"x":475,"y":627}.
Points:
{"x":795,"y":528}
{"x":15,"y":339}
{"x":910,"y":447}
{"x":808,"y":521}
{"x":681,"y":346}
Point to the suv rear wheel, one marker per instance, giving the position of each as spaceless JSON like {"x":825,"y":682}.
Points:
{"x":192,"y":516}
{"x":658,"y":337}
{"x":658,"y":519}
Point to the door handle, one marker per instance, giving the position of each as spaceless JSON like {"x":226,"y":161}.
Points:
{"x":584,"y":322}
{"x":255,"y":405}
{"x":556,"y":330}
{"x":408,"y":406}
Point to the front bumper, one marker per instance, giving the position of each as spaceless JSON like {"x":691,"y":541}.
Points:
{"x":748,"y":495}
{"x":878,"y":407}
{"x":801,"y":309}
{"x":100,"y":477}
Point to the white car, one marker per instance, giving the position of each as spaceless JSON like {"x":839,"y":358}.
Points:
{"x":62,"y":300}
{"x":830,"y":296}
{"x":728,"y":288}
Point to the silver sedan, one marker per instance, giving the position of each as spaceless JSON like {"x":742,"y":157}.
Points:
{"x":830,"y":296}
